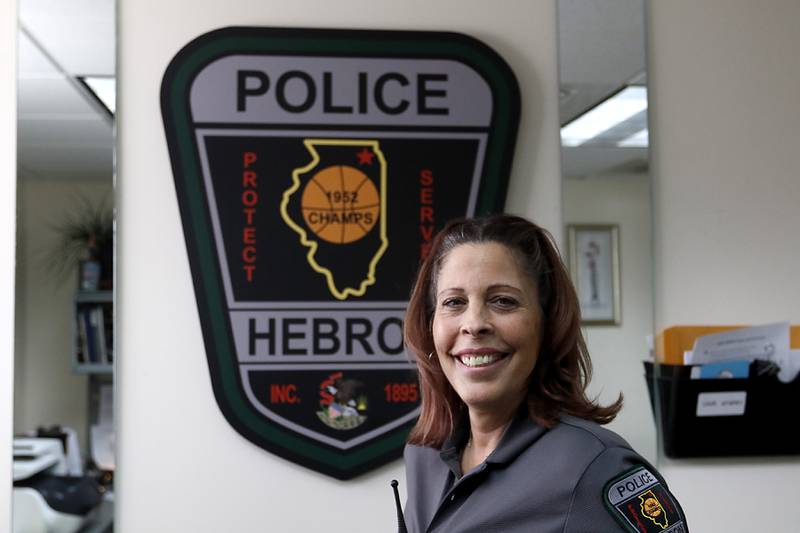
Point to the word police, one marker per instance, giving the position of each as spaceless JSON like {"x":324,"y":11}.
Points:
{"x":392,"y":93}
{"x":633,"y":485}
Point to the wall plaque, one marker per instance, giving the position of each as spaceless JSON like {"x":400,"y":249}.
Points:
{"x":312,"y":169}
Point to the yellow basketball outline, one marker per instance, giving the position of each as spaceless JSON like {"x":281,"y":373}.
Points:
{"x":312,"y":245}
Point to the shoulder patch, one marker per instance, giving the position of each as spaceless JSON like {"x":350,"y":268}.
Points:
{"x":641,"y":504}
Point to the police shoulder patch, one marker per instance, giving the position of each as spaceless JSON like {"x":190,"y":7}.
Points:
{"x":640,"y":502}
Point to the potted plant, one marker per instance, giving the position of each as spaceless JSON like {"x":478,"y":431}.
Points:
{"x":86,"y":241}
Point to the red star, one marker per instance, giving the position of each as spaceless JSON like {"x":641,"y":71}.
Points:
{"x":365,"y":156}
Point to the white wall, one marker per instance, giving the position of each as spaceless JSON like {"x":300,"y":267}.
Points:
{"x":47,"y":392}
{"x":725,"y":132}
{"x":181,"y":466}
{"x":618,"y":351}
{"x":8,"y":184}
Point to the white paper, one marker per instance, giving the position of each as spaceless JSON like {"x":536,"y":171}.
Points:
{"x":721,"y":403}
{"x":790,"y":366}
{"x":103,"y":447}
{"x":105,"y":415}
{"x":769,"y":342}
{"x":73,"y":454}
{"x":102,"y":434}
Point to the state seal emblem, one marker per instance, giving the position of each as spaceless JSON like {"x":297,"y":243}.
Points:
{"x":312,"y":169}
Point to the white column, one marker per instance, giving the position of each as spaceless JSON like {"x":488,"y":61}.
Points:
{"x":8,"y":209}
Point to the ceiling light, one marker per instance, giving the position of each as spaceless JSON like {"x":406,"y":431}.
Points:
{"x":104,"y":89}
{"x":608,"y":114}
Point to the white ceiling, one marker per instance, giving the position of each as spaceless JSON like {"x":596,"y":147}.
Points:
{"x":63,"y":133}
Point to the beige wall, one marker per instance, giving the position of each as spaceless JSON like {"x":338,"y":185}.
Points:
{"x":618,"y":351}
{"x":47,"y":391}
{"x":723,"y":83}
{"x":8,"y":183}
{"x":725,"y":132}
{"x":181,"y":466}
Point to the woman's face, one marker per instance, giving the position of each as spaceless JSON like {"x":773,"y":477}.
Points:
{"x":486,"y":325}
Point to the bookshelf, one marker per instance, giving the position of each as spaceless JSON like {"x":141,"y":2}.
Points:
{"x":93,"y":356}
{"x":93,"y":332}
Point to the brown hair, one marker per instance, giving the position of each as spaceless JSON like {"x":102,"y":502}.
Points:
{"x":558,"y":382}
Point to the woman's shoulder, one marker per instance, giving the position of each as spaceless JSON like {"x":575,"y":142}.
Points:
{"x":416,"y":452}
{"x":422,"y":458}
{"x":617,"y":479}
{"x":575,"y":446}
{"x":582,"y":429}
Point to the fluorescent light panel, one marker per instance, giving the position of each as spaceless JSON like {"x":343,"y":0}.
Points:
{"x":105,"y":89}
{"x":640,"y":139}
{"x":615,"y":110}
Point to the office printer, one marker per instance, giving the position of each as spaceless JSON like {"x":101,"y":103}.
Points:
{"x":46,"y":499}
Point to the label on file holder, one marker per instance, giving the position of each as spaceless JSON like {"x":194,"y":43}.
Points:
{"x":721,"y":403}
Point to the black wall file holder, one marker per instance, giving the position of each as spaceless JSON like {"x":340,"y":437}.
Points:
{"x":767,"y":427}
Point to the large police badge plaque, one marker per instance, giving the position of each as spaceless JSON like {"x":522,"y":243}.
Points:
{"x":313,"y":168}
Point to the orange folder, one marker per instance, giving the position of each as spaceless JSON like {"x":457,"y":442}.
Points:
{"x":673,"y":341}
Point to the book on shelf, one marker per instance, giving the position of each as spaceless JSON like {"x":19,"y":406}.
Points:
{"x":91,"y":333}
{"x":108,"y":333}
{"x":81,"y":341}
{"x":94,"y":333}
{"x":100,"y":334}
{"x":94,"y":341}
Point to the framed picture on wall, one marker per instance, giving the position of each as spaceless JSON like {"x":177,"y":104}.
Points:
{"x":594,"y":267}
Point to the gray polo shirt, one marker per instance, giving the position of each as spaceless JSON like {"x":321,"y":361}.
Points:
{"x":577,"y":477}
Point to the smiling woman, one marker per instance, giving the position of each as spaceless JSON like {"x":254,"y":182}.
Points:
{"x":506,"y":424}
{"x":486,"y":328}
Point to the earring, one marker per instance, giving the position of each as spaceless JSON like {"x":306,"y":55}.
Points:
{"x":430,"y":355}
